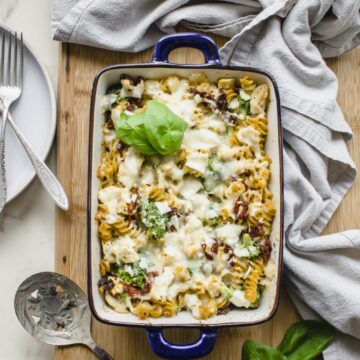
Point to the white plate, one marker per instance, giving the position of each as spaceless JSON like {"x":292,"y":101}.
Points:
{"x":35,"y":115}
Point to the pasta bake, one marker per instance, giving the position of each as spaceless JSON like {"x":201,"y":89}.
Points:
{"x":184,"y":209}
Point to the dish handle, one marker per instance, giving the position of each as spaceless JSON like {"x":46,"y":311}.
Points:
{"x":171,"y":42}
{"x":165,"y":349}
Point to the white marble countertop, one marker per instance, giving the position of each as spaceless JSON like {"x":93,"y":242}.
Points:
{"x":27,"y":237}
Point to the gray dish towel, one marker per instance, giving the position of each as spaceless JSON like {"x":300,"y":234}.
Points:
{"x":289,"y":39}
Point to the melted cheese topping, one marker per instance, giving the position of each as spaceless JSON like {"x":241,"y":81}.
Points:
{"x":129,"y":169}
{"x":201,"y":139}
{"x":229,"y":233}
{"x":176,"y":101}
{"x":185,"y":219}
{"x":190,"y":187}
{"x":238,"y":299}
{"x":115,"y":198}
{"x":120,"y":250}
{"x":250,"y":137}
{"x":197,"y":161}
{"x":161,"y":284}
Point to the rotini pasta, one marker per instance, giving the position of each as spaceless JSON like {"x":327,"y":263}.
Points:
{"x":189,"y":230}
{"x":247,"y":84}
{"x":238,"y":269}
{"x":252,"y":280}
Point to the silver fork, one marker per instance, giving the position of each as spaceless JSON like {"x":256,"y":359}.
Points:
{"x":11,"y":77}
{"x":47,"y":178}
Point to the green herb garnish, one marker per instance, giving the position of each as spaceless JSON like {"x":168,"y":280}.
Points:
{"x":163,"y":128}
{"x":135,"y":278}
{"x":211,"y":180}
{"x":131,"y":131}
{"x":303,"y":341}
{"x":212,"y":177}
{"x":155,"y":222}
{"x":157,"y":130}
{"x":214,"y":164}
{"x":244,"y":107}
{"x":212,"y":222}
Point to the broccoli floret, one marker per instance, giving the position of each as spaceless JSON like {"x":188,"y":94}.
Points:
{"x":137,"y":277}
{"x":212,"y":222}
{"x":228,"y":293}
{"x":251,"y":246}
{"x":211,"y":180}
{"x":214,"y":165}
{"x":155,"y":222}
{"x":244,"y":107}
{"x":254,"y":251}
{"x":246,"y":240}
{"x":212,"y":174}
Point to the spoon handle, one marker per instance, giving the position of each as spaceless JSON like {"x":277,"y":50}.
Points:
{"x":100,"y":352}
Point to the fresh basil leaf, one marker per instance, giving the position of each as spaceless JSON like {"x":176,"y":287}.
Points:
{"x":253,"y":350}
{"x":306,"y":340}
{"x":130,"y":130}
{"x":293,"y":336}
{"x":163,"y":129}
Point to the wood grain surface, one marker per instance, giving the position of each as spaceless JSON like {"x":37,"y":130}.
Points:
{"x":78,"y":66}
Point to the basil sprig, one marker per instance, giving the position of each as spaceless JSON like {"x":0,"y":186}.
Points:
{"x":131,"y":131}
{"x":157,"y":130}
{"x":302,"y":341}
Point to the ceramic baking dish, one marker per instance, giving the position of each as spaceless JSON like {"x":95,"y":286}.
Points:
{"x":160,"y":67}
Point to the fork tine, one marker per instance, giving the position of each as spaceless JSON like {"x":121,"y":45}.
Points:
{"x":8,"y":72}
{"x":14,"y":62}
{"x":2,"y":59}
{"x":21,"y":62}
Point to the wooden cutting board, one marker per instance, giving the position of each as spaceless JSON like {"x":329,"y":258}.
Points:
{"x":78,"y":67}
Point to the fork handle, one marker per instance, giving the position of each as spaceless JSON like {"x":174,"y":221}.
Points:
{"x":3,"y":185}
{"x":47,"y":178}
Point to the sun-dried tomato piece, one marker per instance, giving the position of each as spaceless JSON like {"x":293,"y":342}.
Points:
{"x":203,"y":94}
{"x":257,"y":230}
{"x":207,"y":255}
{"x":215,"y":247}
{"x":265,"y":249}
{"x":241,"y":209}
{"x":228,"y":117}
{"x":221,"y":102}
{"x":146,"y":288}
{"x":175,"y":212}
{"x":130,"y":107}
{"x":133,"y":203}
{"x":110,"y":125}
{"x":227,"y":249}
{"x":120,"y":146}
{"x":131,"y":290}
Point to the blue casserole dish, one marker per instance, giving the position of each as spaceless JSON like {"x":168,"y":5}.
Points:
{"x":161,"y":67}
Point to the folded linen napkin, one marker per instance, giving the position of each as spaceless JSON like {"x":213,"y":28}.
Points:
{"x":287,"y":38}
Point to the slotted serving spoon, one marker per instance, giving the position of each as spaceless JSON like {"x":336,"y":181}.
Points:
{"x":53,"y":309}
